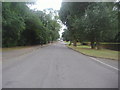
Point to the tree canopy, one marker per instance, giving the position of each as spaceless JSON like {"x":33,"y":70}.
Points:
{"x":90,"y":21}
{"x":23,"y":26}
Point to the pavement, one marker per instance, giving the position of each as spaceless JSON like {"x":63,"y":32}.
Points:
{"x":56,"y":66}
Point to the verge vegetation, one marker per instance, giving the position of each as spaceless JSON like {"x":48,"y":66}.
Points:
{"x":103,"y":53}
{"x":94,"y":22}
{"x":22,"y":26}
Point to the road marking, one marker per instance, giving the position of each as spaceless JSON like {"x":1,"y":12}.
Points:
{"x":104,"y":63}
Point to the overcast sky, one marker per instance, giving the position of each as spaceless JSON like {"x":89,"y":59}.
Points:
{"x":42,"y":4}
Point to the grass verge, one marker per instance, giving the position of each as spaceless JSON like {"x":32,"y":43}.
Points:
{"x":22,"y":47}
{"x":15,"y":48}
{"x":103,"y":53}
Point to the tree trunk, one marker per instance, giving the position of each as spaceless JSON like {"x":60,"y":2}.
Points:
{"x":70,"y":43}
{"x":75,"y":43}
{"x":98,"y":45}
{"x":92,"y":45}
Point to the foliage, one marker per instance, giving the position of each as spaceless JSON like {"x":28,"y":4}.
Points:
{"x":95,"y":22}
{"x":22,"y":26}
{"x":66,"y":35}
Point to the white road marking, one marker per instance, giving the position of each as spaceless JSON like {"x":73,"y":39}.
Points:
{"x":104,"y":63}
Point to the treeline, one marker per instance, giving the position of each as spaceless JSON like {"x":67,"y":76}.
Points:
{"x":93,"y":22}
{"x":22,"y":26}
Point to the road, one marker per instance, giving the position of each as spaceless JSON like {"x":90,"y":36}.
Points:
{"x":56,"y":66}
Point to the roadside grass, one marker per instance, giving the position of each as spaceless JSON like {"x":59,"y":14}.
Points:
{"x":103,"y":53}
{"x":14,"y":48}
{"x":89,"y":42}
{"x":20,"y":47}
{"x":109,"y":43}
{"x":67,"y":42}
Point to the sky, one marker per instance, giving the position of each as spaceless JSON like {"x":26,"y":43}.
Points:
{"x":43,"y":4}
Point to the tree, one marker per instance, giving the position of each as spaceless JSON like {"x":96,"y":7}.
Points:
{"x":99,"y":19}
{"x":12,"y":24}
{"x":69,"y":13}
{"x":22,"y":26}
{"x":94,"y":22}
{"x":66,"y":35}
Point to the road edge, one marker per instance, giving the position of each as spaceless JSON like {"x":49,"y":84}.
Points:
{"x":91,"y":55}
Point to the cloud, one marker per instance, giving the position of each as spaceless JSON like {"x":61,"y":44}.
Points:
{"x":43,"y":4}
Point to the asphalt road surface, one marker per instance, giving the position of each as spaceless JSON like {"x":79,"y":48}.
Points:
{"x":56,"y":66}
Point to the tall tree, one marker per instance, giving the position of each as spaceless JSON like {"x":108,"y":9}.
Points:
{"x":69,"y":12}
{"x":94,"y":22}
{"x":23,"y":26}
{"x":100,"y":22}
